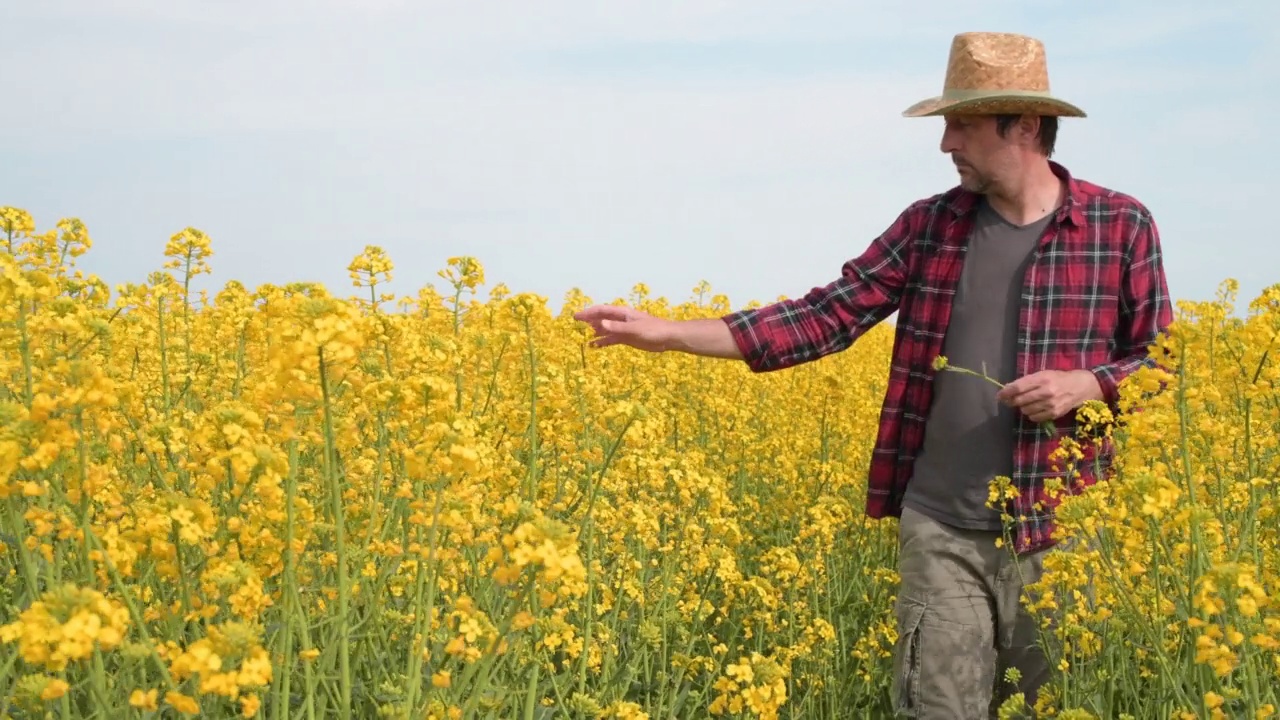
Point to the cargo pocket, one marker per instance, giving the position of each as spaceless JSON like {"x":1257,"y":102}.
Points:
{"x":905,"y":686}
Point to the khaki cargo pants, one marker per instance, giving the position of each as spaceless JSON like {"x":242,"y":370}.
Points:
{"x":961,"y":623}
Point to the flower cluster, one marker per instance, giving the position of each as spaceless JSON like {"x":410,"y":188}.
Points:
{"x":67,"y":624}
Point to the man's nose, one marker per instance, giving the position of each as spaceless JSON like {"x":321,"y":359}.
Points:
{"x":950,"y":143}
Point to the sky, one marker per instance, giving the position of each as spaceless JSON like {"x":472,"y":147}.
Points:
{"x":754,"y":145}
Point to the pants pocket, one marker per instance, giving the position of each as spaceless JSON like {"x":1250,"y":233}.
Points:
{"x":905,"y":684}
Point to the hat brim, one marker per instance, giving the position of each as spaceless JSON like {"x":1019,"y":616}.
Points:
{"x":993,"y":104}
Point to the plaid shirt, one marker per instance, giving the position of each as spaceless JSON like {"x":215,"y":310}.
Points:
{"x":1094,"y":297}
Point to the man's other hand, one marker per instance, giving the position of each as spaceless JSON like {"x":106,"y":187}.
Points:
{"x":1050,"y":394}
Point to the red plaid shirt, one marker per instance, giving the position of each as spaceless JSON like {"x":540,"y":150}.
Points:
{"x":1094,"y":297}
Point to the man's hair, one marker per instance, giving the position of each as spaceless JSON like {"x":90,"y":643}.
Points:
{"x":1048,"y":134}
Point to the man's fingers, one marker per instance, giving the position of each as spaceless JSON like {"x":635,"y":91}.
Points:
{"x":1027,"y":397}
{"x":1042,"y":414}
{"x":605,"y":341}
{"x":1011,"y":394}
{"x":1041,"y":410}
{"x":615,"y":326}
{"x":597,"y":313}
{"x":1012,"y":390}
{"x":611,"y":332}
{"x":1021,"y":392}
{"x":609,"y":321}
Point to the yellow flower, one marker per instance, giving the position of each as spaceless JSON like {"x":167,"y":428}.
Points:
{"x":54,"y":690}
{"x":182,"y":703}
{"x":144,"y":699}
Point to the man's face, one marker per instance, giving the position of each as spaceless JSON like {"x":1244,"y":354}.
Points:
{"x":982,"y":158}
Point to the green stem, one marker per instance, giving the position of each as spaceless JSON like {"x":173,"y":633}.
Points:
{"x":1196,"y":557}
{"x":457,"y":324}
{"x":421,"y":615}
{"x":532,"y":468}
{"x":29,"y":569}
{"x":588,"y":531}
{"x":290,"y":584}
{"x":531,"y":694}
{"x":186,"y":309}
{"x":99,"y":677}
{"x":24,"y":347}
{"x":164,"y":358}
{"x":339,"y":524}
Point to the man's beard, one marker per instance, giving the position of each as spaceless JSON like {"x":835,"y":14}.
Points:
{"x":972,"y":180}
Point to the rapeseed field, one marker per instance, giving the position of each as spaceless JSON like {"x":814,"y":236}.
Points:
{"x":297,"y":502}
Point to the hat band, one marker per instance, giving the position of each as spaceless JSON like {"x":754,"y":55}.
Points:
{"x":979,"y":94}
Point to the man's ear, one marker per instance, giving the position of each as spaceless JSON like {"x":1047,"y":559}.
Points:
{"x":1028,"y":129}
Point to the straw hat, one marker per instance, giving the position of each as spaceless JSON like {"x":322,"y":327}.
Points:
{"x":991,"y":73}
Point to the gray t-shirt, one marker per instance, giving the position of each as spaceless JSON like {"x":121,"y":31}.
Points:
{"x":969,"y":437}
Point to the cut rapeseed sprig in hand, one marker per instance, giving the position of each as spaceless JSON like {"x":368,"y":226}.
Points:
{"x":941,"y":364}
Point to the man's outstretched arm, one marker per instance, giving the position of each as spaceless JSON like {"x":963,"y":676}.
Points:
{"x":825,"y":320}
{"x":829,"y":319}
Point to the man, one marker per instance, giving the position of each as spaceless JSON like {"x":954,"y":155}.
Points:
{"x":1052,"y":284}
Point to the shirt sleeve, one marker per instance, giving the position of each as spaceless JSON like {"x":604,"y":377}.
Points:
{"x":830,"y":318}
{"x":1145,"y":309}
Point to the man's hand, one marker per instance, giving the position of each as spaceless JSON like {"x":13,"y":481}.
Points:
{"x":1050,"y":394}
{"x":615,"y":325}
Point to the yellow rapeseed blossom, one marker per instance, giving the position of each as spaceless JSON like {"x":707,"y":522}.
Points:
{"x":273,"y":500}
{"x":67,"y":624}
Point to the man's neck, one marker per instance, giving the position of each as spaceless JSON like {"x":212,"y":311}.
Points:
{"x":1039,"y":193}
